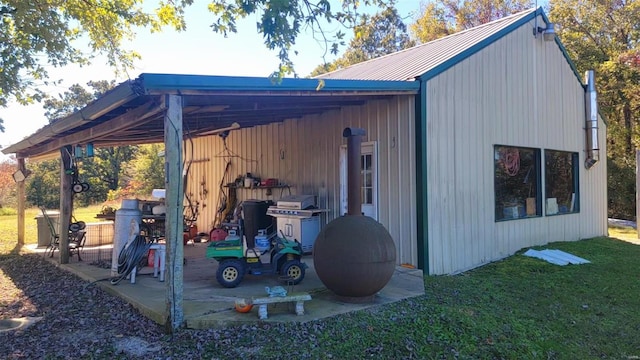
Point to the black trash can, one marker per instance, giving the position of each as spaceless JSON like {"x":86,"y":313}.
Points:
{"x":254,"y":213}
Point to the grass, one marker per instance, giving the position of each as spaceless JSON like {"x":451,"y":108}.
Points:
{"x":9,"y":226}
{"x":518,"y":308}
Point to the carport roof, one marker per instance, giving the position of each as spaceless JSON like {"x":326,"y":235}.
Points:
{"x":133,"y":112}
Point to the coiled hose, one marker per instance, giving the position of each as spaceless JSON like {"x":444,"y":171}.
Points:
{"x":130,"y":256}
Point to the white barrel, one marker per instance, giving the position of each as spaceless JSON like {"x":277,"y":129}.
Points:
{"x":127,"y":226}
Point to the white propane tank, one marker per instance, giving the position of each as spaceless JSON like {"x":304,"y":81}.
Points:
{"x":262,"y":241}
{"x":127,"y":226}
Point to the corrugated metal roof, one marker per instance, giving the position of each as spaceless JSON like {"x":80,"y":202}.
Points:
{"x":420,"y":60}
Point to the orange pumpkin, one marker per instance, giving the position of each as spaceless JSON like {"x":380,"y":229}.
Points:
{"x":243,"y":308}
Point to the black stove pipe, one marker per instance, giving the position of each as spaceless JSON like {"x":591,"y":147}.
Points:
{"x":354,"y":141}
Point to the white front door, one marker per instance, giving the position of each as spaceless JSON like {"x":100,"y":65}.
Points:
{"x":368,"y":179}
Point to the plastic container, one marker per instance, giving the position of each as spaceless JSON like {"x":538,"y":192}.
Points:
{"x":44,"y":232}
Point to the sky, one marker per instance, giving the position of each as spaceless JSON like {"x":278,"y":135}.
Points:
{"x":198,"y":50}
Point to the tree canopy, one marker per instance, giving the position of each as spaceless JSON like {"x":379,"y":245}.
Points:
{"x":36,"y":34}
{"x":374,"y":36}
{"x":605,"y":36}
{"x":444,"y":17}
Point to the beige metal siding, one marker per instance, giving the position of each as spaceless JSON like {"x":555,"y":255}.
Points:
{"x":305,"y":154}
{"x":519,"y":91}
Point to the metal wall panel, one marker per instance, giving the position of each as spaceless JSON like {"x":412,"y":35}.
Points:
{"x":304,"y":153}
{"x":519,"y":91}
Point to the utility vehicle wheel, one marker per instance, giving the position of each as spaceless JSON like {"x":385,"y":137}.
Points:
{"x":230,"y":273}
{"x":85,"y":187}
{"x":294,"y":270}
{"x":77,"y":188}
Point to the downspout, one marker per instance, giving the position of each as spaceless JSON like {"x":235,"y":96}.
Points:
{"x":591,"y":125}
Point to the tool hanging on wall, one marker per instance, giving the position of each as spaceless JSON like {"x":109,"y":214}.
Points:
{"x":77,"y":186}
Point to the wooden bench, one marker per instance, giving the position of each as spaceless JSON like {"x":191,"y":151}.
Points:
{"x":298,"y":298}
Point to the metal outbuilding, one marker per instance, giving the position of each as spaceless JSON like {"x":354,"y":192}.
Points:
{"x":475,"y":142}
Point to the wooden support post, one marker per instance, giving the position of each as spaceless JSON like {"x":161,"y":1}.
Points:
{"x":637,"y":194}
{"x":20,"y":195}
{"x":174,"y":219}
{"x":66,"y":202}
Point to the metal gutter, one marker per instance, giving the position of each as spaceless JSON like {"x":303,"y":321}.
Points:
{"x":109,"y":101}
{"x":155,"y":82}
{"x":421,"y":179}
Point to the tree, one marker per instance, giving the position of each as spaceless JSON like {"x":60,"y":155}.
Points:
{"x":605,"y":36}
{"x":37,"y":33}
{"x":75,"y":99}
{"x":444,"y":17}
{"x":43,"y":186}
{"x":7,"y":185}
{"x":374,"y":36}
{"x":103,"y":171}
{"x":148,"y":168}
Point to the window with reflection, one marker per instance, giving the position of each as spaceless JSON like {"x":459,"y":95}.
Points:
{"x":367,"y":178}
{"x":517,"y":182}
{"x":561,"y":182}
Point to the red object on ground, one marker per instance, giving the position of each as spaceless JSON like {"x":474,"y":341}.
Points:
{"x":150,"y":257}
{"x":243,"y":308}
{"x":217,"y":235}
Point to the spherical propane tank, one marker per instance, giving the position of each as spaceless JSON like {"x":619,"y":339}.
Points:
{"x":354,"y":256}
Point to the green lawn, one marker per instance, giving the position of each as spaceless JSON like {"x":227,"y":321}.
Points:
{"x":9,"y":226}
{"x":518,"y":308}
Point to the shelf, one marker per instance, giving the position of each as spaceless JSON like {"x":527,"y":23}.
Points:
{"x":258,"y":187}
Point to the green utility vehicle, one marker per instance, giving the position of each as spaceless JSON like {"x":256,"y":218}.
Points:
{"x":235,"y":260}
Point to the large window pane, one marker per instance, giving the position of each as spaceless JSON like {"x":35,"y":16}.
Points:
{"x":561,"y":182}
{"x":517,"y":182}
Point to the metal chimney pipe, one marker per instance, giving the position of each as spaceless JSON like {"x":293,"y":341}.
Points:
{"x":591,"y":124}
{"x":354,"y":140}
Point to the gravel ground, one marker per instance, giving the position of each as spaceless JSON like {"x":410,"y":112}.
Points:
{"x":79,"y":320}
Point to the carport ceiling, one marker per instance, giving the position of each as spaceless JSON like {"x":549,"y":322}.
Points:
{"x":202,"y":114}
{"x":133,"y":112}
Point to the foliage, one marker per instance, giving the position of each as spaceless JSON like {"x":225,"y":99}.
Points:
{"x":75,"y":99}
{"x":605,"y":37}
{"x":621,"y":188}
{"x":35,"y":34}
{"x":43,"y":186}
{"x":105,"y":170}
{"x":374,"y":36}
{"x":148,"y":168}
{"x":445,"y":17}
{"x":281,"y":21}
{"x":55,"y":33}
{"x":110,"y":165}
{"x":7,"y":185}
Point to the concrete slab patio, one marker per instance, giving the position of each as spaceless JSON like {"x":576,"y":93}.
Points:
{"x":206,"y":304}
